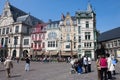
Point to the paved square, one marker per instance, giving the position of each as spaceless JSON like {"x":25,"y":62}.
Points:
{"x":50,"y":71}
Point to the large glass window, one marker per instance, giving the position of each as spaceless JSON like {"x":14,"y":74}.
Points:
{"x":68,"y":37}
{"x":26,"y":41}
{"x":52,"y":35}
{"x":87,"y":35}
{"x":27,"y":30}
{"x":31,"y":45}
{"x":7,"y":30}
{"x":39,"y":45}
{"x":0,"y":31}
{"x":74,"y":44}
{"x":35,"y":45}
{"x":115,"y":43}
{"x":68,"y":45}
{"x":87,"y":44}
{"x":87,"y":24}
{"x":43,"y":45}
{"x":16,"y":29}
{"x":6,"y":40}
{"x":79,"y":40}
{"x":51,"y":44}
{"x":2,"y":41}
{"x":78,"y":21}
{"x":68,"y":22}
{"x":15,"y":40}
{"x":79,"y":29}
{"x":3,"y":32}
{"x":118,"y":42}
{"x":74,"y":37}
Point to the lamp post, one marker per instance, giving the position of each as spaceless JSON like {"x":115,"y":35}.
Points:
{"x":10,"y":43}
{"x":15,"y":43}
{"x":71,"y":49}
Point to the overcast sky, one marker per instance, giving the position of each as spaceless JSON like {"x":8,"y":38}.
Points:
{"x":107,"y":11}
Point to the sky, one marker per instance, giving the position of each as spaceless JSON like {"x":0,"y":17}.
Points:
{"x":107,"y":11}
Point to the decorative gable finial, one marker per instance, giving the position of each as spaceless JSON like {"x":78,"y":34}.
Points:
{"x":7,"y":3}
{"x":62,"y":16}
{"x":89,"y":7}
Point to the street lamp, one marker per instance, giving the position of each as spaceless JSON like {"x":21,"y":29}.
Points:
{"x":15,"y":43}
{"x":71,"y":49}
{"x":10,"y":43}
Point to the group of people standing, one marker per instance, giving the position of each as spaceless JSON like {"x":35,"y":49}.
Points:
{"x":106,"y":66}
{"x":79,"y":64}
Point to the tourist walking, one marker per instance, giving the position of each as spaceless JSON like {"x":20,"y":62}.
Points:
{"x":103,"y":66}
{"x":27,"y":65}
{"x":89,"y":64}
{"x":110,"y":66}
{"x":114,"y":62}
{"x":98,"y":68}
{"x":8,"y":65}
{"x":85,"y":63}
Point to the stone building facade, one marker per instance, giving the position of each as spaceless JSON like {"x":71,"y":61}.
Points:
{"x":15,"y":27}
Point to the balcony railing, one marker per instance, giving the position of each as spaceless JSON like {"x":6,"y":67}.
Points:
{"x":37,"y":39}
{"x":39,"y":48}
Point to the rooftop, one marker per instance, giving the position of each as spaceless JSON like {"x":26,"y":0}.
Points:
{"x":109,"y":35}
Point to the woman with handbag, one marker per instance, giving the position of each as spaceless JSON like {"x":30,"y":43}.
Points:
{"x":98,"y":68}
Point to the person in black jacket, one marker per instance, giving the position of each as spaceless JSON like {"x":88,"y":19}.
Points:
{"x":27,"y":65}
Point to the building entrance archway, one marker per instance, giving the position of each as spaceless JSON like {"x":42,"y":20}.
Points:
{"x":14,"y":54}
{"x":25,"y":53}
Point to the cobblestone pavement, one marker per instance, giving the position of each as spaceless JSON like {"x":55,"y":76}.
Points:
{"x":50,"y":71}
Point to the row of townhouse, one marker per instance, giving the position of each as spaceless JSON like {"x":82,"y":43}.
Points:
{"x":22,"y":34}
{"x":70,"y":36}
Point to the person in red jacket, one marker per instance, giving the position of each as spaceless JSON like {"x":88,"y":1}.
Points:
{"x":103,"y":66}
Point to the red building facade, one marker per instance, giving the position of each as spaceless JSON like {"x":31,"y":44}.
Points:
{"x":38,"y":39}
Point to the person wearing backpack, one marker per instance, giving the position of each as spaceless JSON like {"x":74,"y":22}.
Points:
{"x":114,"y":62}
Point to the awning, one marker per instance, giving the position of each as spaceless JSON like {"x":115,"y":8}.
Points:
{"x":46,"y":53}
{"x":65,"y":54}
{"x":54,"y":53}
{"x":51,"y":53}
{"x":39,"y":53}
{"x":68,"y":54}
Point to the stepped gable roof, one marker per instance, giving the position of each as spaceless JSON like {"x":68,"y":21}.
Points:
{"x":109,"y":35}
{"x":19,"y":15}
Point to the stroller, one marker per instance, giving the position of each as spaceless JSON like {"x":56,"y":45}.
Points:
{"x":73,"y":68}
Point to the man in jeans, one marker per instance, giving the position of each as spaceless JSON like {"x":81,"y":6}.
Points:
{"x":27,"y":65}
